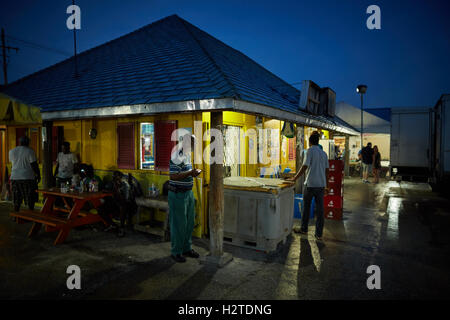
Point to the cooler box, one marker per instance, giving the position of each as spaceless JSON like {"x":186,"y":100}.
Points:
{"x":298,"y":207}
{"x":333,"y":213}
{"x":332,"y":202}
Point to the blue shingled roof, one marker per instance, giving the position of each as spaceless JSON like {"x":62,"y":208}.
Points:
{"x":168,"y":60}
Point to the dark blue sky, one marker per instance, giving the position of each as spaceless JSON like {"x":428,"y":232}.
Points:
{"x":406,"y":63}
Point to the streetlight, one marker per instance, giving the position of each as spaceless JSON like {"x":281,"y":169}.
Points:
{"x":361,"y":89}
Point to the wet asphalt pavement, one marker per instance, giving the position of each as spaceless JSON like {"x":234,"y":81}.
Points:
{"x":403,"y":228}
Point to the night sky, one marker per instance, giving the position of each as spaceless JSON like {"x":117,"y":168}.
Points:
{"x":406,"y":63}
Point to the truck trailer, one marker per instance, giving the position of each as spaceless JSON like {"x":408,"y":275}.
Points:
{"x":440,"y":147}
{"x":410,"y":143}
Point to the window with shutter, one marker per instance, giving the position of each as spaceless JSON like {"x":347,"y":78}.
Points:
{"x":163,"y":143}
{"x":125,"y":138}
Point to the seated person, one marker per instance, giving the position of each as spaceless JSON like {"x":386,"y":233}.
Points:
{"x":109,"y":209}
{"x":76,"y":178}
{"x":123,"y":195}
{"x":89,"y":177}
{"x":125,"y":189}
{"x":86,"y":178}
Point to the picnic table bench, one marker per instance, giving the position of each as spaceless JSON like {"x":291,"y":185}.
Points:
{"x":62,"y":219}
{"x":160,"y":202}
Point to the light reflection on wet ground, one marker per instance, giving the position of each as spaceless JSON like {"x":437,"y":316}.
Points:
{"x":402,"y":227}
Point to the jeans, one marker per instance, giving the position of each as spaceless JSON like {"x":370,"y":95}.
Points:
{"x":181,"y":216}
{"x":318,"y":194}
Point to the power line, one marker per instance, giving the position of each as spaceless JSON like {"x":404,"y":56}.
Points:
{"x":4,"y":48}
{"x":38,"y":46}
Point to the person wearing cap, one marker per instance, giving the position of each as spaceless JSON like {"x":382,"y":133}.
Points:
{"x":64,"y":165}
{"x":181,"y":200}
{"x":25,"y":174}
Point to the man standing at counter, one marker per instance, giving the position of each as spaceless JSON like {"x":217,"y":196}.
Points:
{"x":316,"y":167}
{"x":181,"y":200}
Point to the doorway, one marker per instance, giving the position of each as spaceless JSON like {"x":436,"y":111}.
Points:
{"x":232,"y":150}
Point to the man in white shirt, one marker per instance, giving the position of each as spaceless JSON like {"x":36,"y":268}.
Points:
{"x":64,"y":165}
{"x":315,"y":165}
{"x":25,"y":174}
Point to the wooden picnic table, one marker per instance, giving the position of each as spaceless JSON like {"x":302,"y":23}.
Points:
{"x":62,"y":219}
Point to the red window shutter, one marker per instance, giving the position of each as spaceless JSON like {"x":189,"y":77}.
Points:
{"x":57,"y":140}
{"x":163,"y":143}
{"x":125,"y":138}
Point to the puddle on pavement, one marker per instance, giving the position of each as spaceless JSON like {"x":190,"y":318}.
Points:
{"x":433,"y":217}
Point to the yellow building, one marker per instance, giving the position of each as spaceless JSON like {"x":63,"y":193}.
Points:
{"x":119,"y":111}
{"x":16,"y":119}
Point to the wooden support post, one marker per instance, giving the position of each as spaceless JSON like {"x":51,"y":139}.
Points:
{"x":47,"y":163}
{"x":347,"y":156}
{"x":300,"y":140}
{"x":216,"y":202}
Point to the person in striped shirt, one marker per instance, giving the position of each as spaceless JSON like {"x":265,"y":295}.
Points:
{"x":181,"y":200}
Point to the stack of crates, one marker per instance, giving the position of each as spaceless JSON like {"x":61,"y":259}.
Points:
{"x":333,"y":202}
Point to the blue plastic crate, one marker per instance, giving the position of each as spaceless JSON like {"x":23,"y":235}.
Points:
{"x":298,"y":206}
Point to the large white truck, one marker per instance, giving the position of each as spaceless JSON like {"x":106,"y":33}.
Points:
{"x":410,"y":143}
{"x":440,"y":147}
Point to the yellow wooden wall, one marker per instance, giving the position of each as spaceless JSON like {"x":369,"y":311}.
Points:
{"x":101,"y":152}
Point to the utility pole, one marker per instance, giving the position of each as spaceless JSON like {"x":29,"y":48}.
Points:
{"x":361,"y":89}
{"x":75,"y":46}
{"x":4,"y":48}
{"x":362,"y":126}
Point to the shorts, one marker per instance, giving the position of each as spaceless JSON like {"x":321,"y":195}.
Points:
{"x":367,"y":168}
{"x":24,"y":190}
